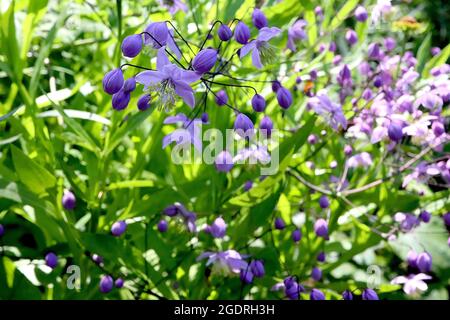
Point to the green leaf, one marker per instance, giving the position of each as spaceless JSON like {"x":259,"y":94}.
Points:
{"x":423,"y":53}
{"x":436,"y":61}
{"x":342,"y":14}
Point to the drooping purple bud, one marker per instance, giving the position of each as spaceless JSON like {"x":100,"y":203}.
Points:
{"x":316,"y":294}
{"x":171,"y":210}
{"x":373,"y":51}
{"x":144,"y":102}
{"x":369,"y":294}
{"x":204,"y":60}
{"x":395,"y":132}
{"x":316,"y":274}
{"x":275,"y":86}
{"x":424,"y":262}
{"x":118,"y":228}
{"x":106,"y":284}
{"x":242,"y":33}
{"x":348,"y":150}
{"x":248,"y":185}
{"x":332,"y":46}
{"x":132,"y":45}
{"x":51,"y":260}
{"x":118,"y":283}
{"x":221,"y":98}
{"x":313,"y":75}
{"x":351,"y":37}
{"x":224,"y":32}
{"x":224,"y":161}
{"x":284,"y":98}
{"x":321,"y":257}
{"x":344,"y":78}
{"x":446,"y":218}
{"x":259,"y":19}
{"x":312,"y":139}
{"x":347,"y":295}
{"x":97,"y":259}
{"x":389,"y":43}
{"x":246,"y":276}
{"x":129,"y":85}
{"x":321,"y":228}
{"x":68,"y":200}
{"x":218,"y":228}
{"x":435,"y":51}
{"x":318,"y":11}
{"x":292,"y":289}
{"x":425,"y":216}
{"x":378,"y":81}
{"x":438,"y":128}
{"x":411,"y":258}
{"x":266,"y":126}
{"x":243,"y":126}
{"x":279,"y":224}
{"x":257,"y":268}
{"x":204,"y":118}
{"x":361,"y":14}
{"x":367,"y":94}
{"x":337,"y":59}
{"x":2,"y":230}
{"x":113,"y":81}
{"x":364,"y":68}
{"x":162,"y":226}
{"x":296,"y":235}
{"x":324,"y":202}
{"x":120,"y":100}
{"x":258,"y":103}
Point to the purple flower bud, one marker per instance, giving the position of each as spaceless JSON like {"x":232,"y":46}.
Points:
{"x":51,"y":260}
{"x":144,"y":102}
{"x":284,"y":98}
{"x":204,"y":118}
{"x":248,"y":185}
{"x":411,"y":258}
{"x":378,"y":81}
{"x":367,"y":94}
{"x":218,"y":229}
{"x":318,"y":11}
{"x":424,"y":262}
{"x":348,"y":150}
{"x":221,"y":98}
{"x":435,"y":51}
{"x":266,"y":125}
{"x":242,"y":33}
{"x":129,"y":85}
{"x":389,"y":43}
{"x":373,"y":51}
{"x":298,"y":80}
{"x":118,"y":283}
{"x":162,"y":226}
{"x":279,"y":224}
{"x":292,"y":289}
{"x":316,"y":294}
{"x":258,"y":103}
{"x":316,"y":274}
{"x":257,"y":268}
{"x":321,"y":257}
{"x":395,"y":132}
{"x":246,"y":276}
{"x":337,"y":59}
{"x":313,"y":75}
{"x":323,"y":202}
{"x":2,"y":230}
{"x":132,"y":45}
{"x":224,"y":161}
{"x":369,"y":294}
{"x":118,"y":228}
{"x":113,"y":81}
{"x":259,"y":19}
{"x":171,"y":210}
{"x":425,"y":216}
{"x":446,"y":218}
{"x":321,"y":228}
{"x":361,"y":14}
{"x":344,"y":78}
{"x":448,"y":241}
{"x":120,"y":100}
{"x":243,"y":126}
{"x":106,"y":284}
{"x":312,"y":139}
{"x":347,"y":295}
{"x":97,"y":259}
{"x":68,"y":200}
{"x":351,"y":37}
{"x":204,"y":60}
{"x":275,"y":86}
{"x":438,"y":128}
{"x":296,"y":235}
{"x":332,"y":46}
{"x":224,"y":32}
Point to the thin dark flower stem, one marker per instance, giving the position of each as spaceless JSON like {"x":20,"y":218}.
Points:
{"x":167,"y":51}
{"x":135,"y":66}
{"x":228,"y":105}
{"x":209,"y":32}
{"x":230,"y":85}
{"x":182,"y":38}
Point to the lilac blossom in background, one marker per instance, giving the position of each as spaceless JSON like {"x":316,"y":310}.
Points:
{"x":291,"y":288}
{"x":218,"y":228}
{"x":421,"y":174}
{"x":189,"y":134}
{"x":381,"y":9}
{"x":296,"y":32}
{"x":362,"y":159}
{"x":406,"y":221}
{"x":262,"y":52}
{"x":173,"y":5}
{"x":412,"y":284}
{"x":331,"y":111}
{"x":253,"y":155}
{"x":224,"y":262}
{"x":224,"y":161}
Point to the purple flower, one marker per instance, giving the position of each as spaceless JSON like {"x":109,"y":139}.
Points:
{"x":361,"y":14}
{"x":411,"y":258}
{"x":221,"y":98}
{"x":218,"y":229}
{"x":246,"y":276}
{"x":321,"y":257}
{"x":258,"y":103}
{"x":68,"y":200}
{"x":132,"y":45}
{"x":296,"y":235}
{"x":242,"y":33}
{"x":291,"y":288}
{"x":331,"y":111}
{"x":97,"y":259}
{"x":224,"y":32}
{"x":118,"y":228}
{"x":296,"y":32}
{"x":347,"y":295}
{"x":262,"y":51}
{"x":266,"y":126}
{"x":121,"y":99}
{"x":351,"y":37}
{"x":438,"y":128}
{"x":332,"y":46}
{"x":113,"y":81}
{"x":276,"y":85}
{"x":316,"y":274}
{"x":381,"y":9}
{"x":253,"y":155}
{"x":424,"y":262}
{"x":362,"y":159}
{"x":284,"y":98}
{"x":144,"y":102}
{"x":279,"y":224}
{"x":389,"y":43}
{"x":446,"y":218}
{"x":259,"y":19}
{"x":257,"y":268}
{"x":323,"y":202}
{"x":118,"y":283}
{"x":190,"y":133}
{"x":412,"y":283}
{"x":161,"y":37}
{"x":425,"y":216}
{"x":369,"y":294}
{"x":204,"y":60}
{"x":224,"y":262}
{"x":243,"y":126}
{"x":316,"y":294}
{"x":435,"y":51}
{"x":2,"y":230}
{"x":106,"y":284}
{"x":129,"y":85}
{"x":421,"y":174}
{"x":169,"y":80}
{"x":321,"y":228}
{"x":373,"y":51}
{"x":407,"y":221}
{"x":348,"y":150}
{"x":188,"y":217}
{"x":162,"y":226}
{"x":173,"y":5}
{"x":51,"y":260}
{"x":395,"y":132}
{"x":224,"y":161}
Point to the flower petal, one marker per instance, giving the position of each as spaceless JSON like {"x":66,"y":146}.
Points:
{"x":185,"y":92}
{"x":161,"y":58}
{"x":256,"y":59}
{"x":265,"y":34}
{"x":149,"y":78}
{"x":247,"y":48}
